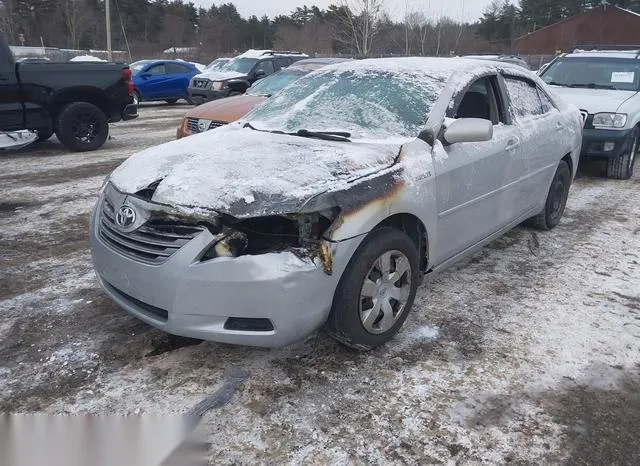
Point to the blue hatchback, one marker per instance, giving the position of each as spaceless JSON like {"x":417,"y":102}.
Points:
{"x":166,"y":80}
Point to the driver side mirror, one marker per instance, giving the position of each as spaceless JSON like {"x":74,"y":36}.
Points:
{"x":260,"y":74}
{"x":468,"y":130}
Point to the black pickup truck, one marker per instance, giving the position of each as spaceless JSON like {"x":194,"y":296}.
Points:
{"x":75,"y":100}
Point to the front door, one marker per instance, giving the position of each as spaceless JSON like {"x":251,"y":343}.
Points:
{"x":474,"y":179}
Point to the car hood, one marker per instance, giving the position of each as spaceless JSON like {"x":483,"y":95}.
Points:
{"x":220,"y":75}
{"x":593,"y":100}
{"x":227,"y":110}
{"x":248,"y":173}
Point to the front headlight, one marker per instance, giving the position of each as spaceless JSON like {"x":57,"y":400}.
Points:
{"x":610,"y":120}
{"x":218,"y":85}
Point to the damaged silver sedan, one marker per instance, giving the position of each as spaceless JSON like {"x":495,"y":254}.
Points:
{"x":329,"y":203}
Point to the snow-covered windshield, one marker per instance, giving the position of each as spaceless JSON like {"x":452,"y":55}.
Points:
{"x":368,"y":103}
{"x":272,"y":84}
{"x":136,"y":67}
{"x":594,"y":72}
{"x":217,"y":64}
{"x":240,"y":65}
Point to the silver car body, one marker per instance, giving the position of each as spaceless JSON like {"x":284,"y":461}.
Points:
{"x":464,"y":195}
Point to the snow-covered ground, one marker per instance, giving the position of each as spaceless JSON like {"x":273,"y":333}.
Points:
{"x":528,"y":352}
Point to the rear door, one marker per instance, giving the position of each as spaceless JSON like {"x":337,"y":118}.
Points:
{"x":542,"y":132}
{"x":11,"y":110}
{"x":178,"y":77}
{"x":474,"y":181}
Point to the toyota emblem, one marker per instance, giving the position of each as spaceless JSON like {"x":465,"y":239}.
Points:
{"x":203,"y":125}
{"x":126,"y":216}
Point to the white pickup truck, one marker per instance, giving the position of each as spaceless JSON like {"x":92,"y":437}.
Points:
{"x":604,"y":85}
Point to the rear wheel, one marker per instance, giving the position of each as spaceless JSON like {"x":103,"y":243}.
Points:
{"x":556,"y":200}
{"x":171,"y":101}
{"x":136,"y":98}
{"x":82,"y":126}
{"x":621,"y":167}
{"x":376,"y":291}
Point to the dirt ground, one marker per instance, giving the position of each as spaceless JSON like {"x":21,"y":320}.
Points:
{"x":528,"y":352}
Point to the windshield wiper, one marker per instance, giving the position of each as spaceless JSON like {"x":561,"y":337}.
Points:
{"x":593,"y":86}
{"x":553,"y":83}
{"x":326,"y":135}
{"x":305,"y":133}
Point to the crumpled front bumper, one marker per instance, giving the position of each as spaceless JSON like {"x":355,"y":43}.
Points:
{"x":187,"y":297}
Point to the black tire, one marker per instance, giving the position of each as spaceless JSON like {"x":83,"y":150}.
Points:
{"x":556,"y":200}
{"x":171,"y":101}
{"x":345,"y":323}
{"x":44,"y":134}
{"x":81,"y":126}
{"x":621,"y":167}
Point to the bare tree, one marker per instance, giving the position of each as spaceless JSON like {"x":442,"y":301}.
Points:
{"x":362,"y":23}
{"x":75,"y":17}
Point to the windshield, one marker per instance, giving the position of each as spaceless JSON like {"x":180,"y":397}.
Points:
{"x":272,"y":84}
{"x":368,"y":103}
{"x":217,"y":64}
{"x":136,"y":67}
{"x":241,"y":65}
{"x":608,"y":73}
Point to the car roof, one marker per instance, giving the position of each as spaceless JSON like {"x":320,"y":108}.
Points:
{"x":321,"y":61}
{"x":441,"y":66}
{"x":605,"y":53}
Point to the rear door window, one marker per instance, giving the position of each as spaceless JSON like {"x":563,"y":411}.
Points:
{"x":524,"y":97}
{"x":175,"y":68}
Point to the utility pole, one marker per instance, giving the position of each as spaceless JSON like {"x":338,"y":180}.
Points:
{"x":108,"y":26}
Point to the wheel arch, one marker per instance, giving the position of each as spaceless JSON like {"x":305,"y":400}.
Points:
{"x":90,"y":95}
{"x":413,"y":227}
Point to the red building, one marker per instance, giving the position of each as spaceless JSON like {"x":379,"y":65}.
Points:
{"x":603,"y":25}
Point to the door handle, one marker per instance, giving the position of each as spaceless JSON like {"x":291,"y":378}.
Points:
{"x":512,"y":144}
{"x":559,"y":126}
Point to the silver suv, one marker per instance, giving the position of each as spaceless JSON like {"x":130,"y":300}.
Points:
{"x":604,"y":85}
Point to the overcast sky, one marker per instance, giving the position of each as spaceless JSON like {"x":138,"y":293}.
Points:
{"x":468,"y":10}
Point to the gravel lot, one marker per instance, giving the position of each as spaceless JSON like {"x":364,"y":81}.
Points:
{"x":527,"y":352}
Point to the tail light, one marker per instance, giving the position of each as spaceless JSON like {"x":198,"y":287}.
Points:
{"x":126,"y":75}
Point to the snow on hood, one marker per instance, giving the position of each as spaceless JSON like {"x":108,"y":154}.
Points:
{"x":593,"y":100}
{"x":219,"y":75}
{"x":249,"y":173}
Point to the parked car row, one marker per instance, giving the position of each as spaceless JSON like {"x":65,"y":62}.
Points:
{"x":327,"y":203}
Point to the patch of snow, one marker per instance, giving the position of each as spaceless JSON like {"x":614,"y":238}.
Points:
{"x":87,"y":58}
{"x":219,"y":75}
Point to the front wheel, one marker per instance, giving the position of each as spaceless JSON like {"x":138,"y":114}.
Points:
{"x":171,"y":101}
{"x":81,"y":126}
{"x":376,"y":291}
{"x":621,"y":167}
{"x":136,"y":98}
{"x":556,"y":200}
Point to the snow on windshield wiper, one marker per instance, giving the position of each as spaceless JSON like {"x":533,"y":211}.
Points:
{"x":592,"y":86}
{"x":326,"y":135}
{"x":553,"y":83}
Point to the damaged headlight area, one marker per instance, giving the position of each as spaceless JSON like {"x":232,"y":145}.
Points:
{"x":299,"y":233}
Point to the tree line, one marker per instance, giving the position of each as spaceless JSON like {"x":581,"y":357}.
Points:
{"x":348,"y":27}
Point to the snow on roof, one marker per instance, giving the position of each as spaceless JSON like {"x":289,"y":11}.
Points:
{"x":605,"y":53}
{"x":253,"y":53}
{"x":85,"y":58}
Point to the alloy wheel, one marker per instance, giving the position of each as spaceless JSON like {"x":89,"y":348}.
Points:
{"x":385,"y":292}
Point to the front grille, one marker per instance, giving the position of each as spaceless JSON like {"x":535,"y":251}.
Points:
{"x":152,"y":243}
{"x":192,"y":125}
{"x":147,"y":309}
{"x":200,"y":83}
